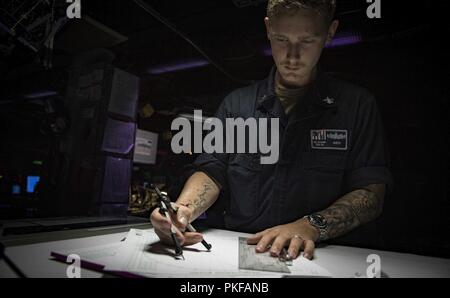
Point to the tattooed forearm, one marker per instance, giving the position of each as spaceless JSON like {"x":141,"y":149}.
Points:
{"x":199,"y":193}
{"x":200,"y":200}
{"x":354,"y":209}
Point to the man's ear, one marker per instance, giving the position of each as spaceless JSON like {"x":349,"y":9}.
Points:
{"x":332,"y":30}
{"x":266,"y":21}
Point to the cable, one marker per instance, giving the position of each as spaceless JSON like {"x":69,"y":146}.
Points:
{"x":172,"y":27}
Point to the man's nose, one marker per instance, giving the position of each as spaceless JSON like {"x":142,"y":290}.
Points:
{"x":294,"y":52}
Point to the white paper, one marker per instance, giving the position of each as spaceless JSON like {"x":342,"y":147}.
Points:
{"x":101,"y":255}
{"x":142,"y":253}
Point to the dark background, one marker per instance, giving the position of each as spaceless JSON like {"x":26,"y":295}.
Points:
{"x":402,"y":59}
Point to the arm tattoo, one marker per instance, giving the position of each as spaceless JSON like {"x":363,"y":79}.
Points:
{"x":199,"y":193}
{"x":354,"y":209}
{"x":200,"y":201}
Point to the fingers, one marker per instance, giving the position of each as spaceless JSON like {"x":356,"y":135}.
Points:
{"x":163,"y":228}
{"x":192,"y":238}
{"x":278,"y":245}
{"x":309,"y":249}
{"x":185,"y":239}
{"x":255,"y":238}
{"x":296,"y":243}
{"x":159,"y":221}
{"x":264,"y":242}
{"x":276,"y":242}
{"x":295,"y":246}
{"x":164,"y":237}
{"x":183,"y":217}
{"x":178,"y":234}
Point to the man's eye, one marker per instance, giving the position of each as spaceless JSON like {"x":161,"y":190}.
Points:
{"x":280,"y":39}
{"x":308,"y":41}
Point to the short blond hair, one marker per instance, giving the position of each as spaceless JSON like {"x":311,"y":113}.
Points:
{"x":325,"y":8}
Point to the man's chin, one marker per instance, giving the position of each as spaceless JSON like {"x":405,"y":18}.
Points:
{"x":291,"y":78}
{"x":294,"y":78}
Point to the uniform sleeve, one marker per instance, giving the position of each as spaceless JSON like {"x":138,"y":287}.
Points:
{"x":368,"y":161}
{"x":214,"y":164}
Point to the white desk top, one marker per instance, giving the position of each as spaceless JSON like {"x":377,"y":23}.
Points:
{"x":340,"y":261}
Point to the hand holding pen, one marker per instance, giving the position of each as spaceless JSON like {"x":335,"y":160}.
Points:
{"x":190,"y":228}
{"x":177,"y":219}
{"x":163,"y":210}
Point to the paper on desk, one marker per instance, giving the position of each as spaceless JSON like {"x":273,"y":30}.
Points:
{"x":143,"y":254}
{"x":101,"y":255}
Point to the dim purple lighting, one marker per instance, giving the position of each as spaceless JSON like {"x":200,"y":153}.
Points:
{"x":42,"y":94}
{"x":119,"y":137}
{"x":267,"y":51}
{"x":181,"y":65}
{"x":342,"y":39}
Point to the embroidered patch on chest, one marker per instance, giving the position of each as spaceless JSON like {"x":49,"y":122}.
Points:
{"x":332,"y":139}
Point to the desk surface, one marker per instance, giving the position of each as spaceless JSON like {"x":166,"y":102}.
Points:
{"x":33,"y":257}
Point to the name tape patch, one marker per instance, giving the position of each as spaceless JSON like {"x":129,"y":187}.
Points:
{"x":333,"y":139}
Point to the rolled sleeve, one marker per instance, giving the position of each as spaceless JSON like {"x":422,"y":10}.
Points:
{"x":369,"y":157}
{"x":214,"y":164}
{"x":369,"y":175}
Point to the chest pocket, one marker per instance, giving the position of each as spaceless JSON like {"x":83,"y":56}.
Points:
{"x":244,"y":178}
{"x":321,"y":177}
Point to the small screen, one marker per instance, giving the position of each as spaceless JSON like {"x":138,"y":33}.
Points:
{"x":31,"y":183}
{"x":146,"y":146}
